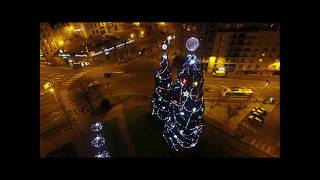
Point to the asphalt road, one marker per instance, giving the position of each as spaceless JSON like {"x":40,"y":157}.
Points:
{"x":138,"y":78}
{"x":51,"y":114}
{"x":270,"y":132}
{"x":216,"y":84}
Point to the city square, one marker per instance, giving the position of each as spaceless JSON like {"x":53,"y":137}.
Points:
{"x":159,"y":89}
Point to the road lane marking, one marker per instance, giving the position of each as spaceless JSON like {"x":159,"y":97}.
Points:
{"x":268,"y":150}
{"x":252,"y":141}
{"x":258,"y":144}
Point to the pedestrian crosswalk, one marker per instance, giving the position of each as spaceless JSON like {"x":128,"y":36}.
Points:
{"x":73,"y":78}
{"x":248,"y":127}
{"x":269,"y":149}
{"x":70,"y":103}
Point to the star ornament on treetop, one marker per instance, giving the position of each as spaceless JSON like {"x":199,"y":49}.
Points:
{"x":186,"y":93}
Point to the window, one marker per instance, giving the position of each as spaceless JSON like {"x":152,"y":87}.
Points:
{"x":251,"y":61}
{"x":257,"y":66}
{"x":253,"y":55}
{"x":240,"y":65}
{"x":249,"y":66}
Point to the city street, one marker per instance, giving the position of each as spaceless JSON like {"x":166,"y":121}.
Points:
{"x":136,"y":78}
{"x":216,"y":85}
{"x":67,"y":111}
{"x":268,"y":137}
{"x":51,"y":113}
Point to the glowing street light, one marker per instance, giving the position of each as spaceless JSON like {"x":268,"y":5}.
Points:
{"x":131,"y":35}
{"x":61,"y":42}
{"x":162,"y":23}
{"x":71,"y":28}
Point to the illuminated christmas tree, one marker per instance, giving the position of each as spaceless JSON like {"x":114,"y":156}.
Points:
{"x":186,"y":122}
{"x":161,"y":100}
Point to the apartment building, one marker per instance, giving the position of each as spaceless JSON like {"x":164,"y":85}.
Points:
{"x":48,"y":42}
{"x":248,"y":48}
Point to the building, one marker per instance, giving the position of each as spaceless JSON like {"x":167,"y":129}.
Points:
{"x":246,"y":48}
{"x":205,"y":32}
{"x":97,"y":29}
{"x":48,"y":43}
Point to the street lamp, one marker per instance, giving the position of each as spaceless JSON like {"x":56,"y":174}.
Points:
{"x":131,"y":35}
{"x":61,"y":42}
{"x":62,"y":107}
{"x":265,"y":85}
{"x":141,"y":33}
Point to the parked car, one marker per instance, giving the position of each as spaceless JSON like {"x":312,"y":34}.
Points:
{"x":258,"y":111}
{"x":255,"y":120}
{"x":262,"y":109}
{"x":257,"y":114}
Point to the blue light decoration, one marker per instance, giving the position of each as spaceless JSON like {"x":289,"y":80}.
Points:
{"x":161,"y":99}
{"x":103,"y":154}
{"x":186,"y":122}
{"x":96,"y":127}
{"x":192,"y":44}
{"x":98,"y":141}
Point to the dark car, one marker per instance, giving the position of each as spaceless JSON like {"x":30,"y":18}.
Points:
{"x":255,"y":120}
{"x":107,"y":74}
{"x":76,"y":66}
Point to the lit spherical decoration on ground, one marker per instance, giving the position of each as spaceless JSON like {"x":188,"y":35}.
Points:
{"x":98,"y":141}
{"x":95,"y":127}
{"x":192,"y":44}
{"x":103,"y":154}
{"x":164,"y":46}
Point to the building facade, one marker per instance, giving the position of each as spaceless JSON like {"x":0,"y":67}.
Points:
{"x":89,"y":30}
{"x":48,"y":42}
{"x":205,"y":32}
{"x":248,"y":48}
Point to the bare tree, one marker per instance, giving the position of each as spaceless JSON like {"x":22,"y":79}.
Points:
{"x":85,"y":89}
{"x":232,"y":110}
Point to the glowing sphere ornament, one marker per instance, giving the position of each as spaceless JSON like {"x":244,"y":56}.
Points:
{"x":192,"y":44}
{"x":164,"y":46}
{"x":98,"y":141}
{"x":95,"y":127}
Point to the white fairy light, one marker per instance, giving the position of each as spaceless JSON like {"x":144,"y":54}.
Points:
{"x":96,"y":127}
{"x":103,"y":154}
{"x":98,"y":141}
